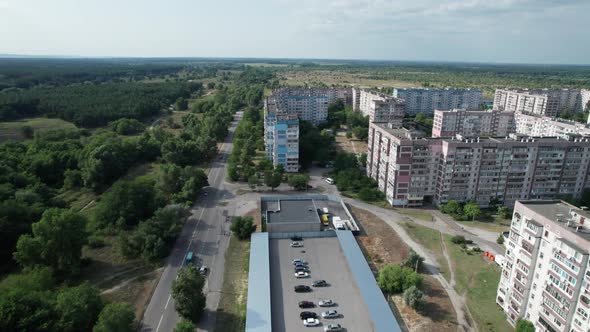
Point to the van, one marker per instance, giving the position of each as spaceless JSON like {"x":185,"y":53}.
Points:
{"x":329,"y":181}
{"x":189,"y":257}
{"x":325,"y":210}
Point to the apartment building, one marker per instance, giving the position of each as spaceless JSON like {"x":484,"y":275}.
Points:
{"x":380,"y":107}
{"x":534,"y":125}
{"x":448,"y":123}
{"x":281,"y":136}
{"x":310,"y":104}
{"x":428,"y":100}
{"x":546,"y":275}
{"x":412,"y":170}
{"x":544,"y":102}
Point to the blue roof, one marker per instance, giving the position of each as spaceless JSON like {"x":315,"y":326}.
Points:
{"x":379,"y":310}
{"x":258,"y":317}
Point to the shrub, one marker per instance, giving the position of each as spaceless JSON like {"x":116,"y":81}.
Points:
{"x":395,"y":279}
{"x":243,"y":227}
{"x":414,"y":298}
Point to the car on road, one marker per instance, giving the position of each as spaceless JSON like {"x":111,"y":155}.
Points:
{"x":299,"y":261}
{"x":301,"y":274}
{"x":203,"y":270}
{"x":306,"y":304}
{"x":329,"y":181}
{"x":330,"y":314}
{"x":296,"y":244}
{"x":319,"y":283}
{"x":301,"y":269}
{"x":326,"y":303}
{"x":296,"y":238}
{"x":189,"y":257}
{"x":300,"y":265}
{"x":311,"y":322}
{"x":333,"y":328}
{"x":307,"y":314}
{"x":302,"y":289}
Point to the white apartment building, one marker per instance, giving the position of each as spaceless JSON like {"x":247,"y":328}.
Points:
{"x":545,"y":102}
{"x":546,"y":275}
{"x":428,"y":100}
{"x":310,"y":104}
{"x":448,"y":123}
{"x":411,"y":170}
{"x":281,"y":136}
{"x":380,"y":108}
{"x":533,"y":125}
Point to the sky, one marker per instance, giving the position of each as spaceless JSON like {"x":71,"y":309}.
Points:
{"x":513,"y":31}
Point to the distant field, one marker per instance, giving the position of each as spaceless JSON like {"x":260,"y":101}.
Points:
{"x":12,"y":130}
{"x":337,"y":77}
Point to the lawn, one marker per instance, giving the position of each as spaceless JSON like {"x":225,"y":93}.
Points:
{"x":416,"y":213}
{"x":497,"y":225}
{"x":431,"y":239}
{"x":338,"y":77}
{"x":12,"y":130}
{"x":77,"y":199}
{"x":231,"y":313}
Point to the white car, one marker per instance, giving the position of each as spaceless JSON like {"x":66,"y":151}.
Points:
{"x":298,"y":260}
{"x":330,"y":314}
{"x":326,"y":303}
{"x":311,"y":322}
{"x":301,"y":274}
{"x":333,"y":328}
{"x":296,"y":244}
{"x":203,"y":270}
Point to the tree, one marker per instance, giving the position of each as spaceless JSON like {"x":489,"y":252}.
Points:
{"x":371,"y":194}
{"x":26,"y":310}
{"x":413,"y":261}
{"x":27,"y":131}
{"x":395,"y":279}
{"x":78,"y":308}
{"x":348,"y":134}
{"x":181,"y":104}
{"x":273,"y":179}
{"x":500,"y":239}
{"x":523,"y":325}
{"x":414,"y":298}
{"x":115,"y":317}
{"x":299,"y":181}
{"x":452,"y":207}
{"x":57,"y":242}
{"x":360,"y":133}
{"x":184,"y":326}
{"x":243,"y":227}
{"x":187,"y":291}
{"x":472,"y":210}
{"x":253,"y":182}
{"x":504,"y":212}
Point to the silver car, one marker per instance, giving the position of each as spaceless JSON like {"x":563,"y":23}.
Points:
{"x":326,"y":303}
{"x":330,"y":314}
{"x":333,"y":328}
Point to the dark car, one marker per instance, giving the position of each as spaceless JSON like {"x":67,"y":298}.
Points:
{"x":308,"y":314}
{"x":320,"y":283}
{"x":301,"y":269}
{"x":306,"y":304}
{"x":302,"y":289}
{"x":296,"y":238}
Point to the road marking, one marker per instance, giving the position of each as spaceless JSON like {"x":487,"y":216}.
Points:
{"x":166,"y":306}
{"x":160,"y":322}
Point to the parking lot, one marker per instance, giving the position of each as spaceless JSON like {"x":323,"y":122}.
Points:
{"x":327,"y":262}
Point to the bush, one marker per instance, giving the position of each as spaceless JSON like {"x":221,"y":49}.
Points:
{"x":504,"y":212}
{"x":395,"y":279}
{"x":500,"y":239}
{"x":243,"y":227}
{"x":184,"y":326}
{"x":460,"y":239}
{"x":413,"y":261}
{"x":414,"y":298}
{"x":115,"y":317}
{"x":96,"y":241}
{"x":523,"y":325}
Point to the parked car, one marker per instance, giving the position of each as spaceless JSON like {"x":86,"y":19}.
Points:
{"x":306,"y":304}
{"x":308,"y":314}
{"x":299,"y":265}
{"x":326,"y":303}
{"x":301,"y":269}
{"x":299,"y":261}
{"x":302,"y":289}
{"x":301,"y":274}
{"x":333,"y":328}
{"x":330,"y":314}
{"x":296,"y":244}
{"x":311,"y":322}
{"x":319,"y":283}
{"x":203,"y":270}
{"x":296,"y":238}
{"x":329,"y":181}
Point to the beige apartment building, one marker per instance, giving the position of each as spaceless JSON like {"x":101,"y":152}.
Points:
{"x":534,"y":125}
{"x":412,"y":170}
{"x":544,"y":102}
{"x":546,"y":276}
{"x":379,"y":107}
{"x":448,"y":123}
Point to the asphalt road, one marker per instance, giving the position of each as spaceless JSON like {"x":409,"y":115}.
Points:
{"x":206,"y":234}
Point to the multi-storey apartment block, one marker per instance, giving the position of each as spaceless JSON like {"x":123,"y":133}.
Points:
{"x":281,"y":136}
{"x":545,"y":102}
{"x":310,"y":104}
{"x":379,"y":107}
{"x":546,"y":275}
{"x":412,"y":170}
{"x":534,"y":125}
{"x":428,"y":100}
{"x":448,"y":123}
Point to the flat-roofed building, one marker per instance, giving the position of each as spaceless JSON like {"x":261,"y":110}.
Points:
{"x":544,"y":102}
{"x":534,"y":125}
{"x":380,"y":107}
{"x":424,"y":100}
{"x":448,"y":123}
{"x":281,"y":136}
{"x":546,"y":277}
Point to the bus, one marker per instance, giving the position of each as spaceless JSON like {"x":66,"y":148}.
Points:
{"x":189,"y":258}
{"x":325,"y":220}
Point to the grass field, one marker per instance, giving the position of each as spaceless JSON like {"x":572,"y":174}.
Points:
{"x":12,"y":130}
{"x":498,"y":225}
{"x":338,"y":77}
{"x":415,"y":213}
{"x":231,"y":313}
{"x":431,"y":239}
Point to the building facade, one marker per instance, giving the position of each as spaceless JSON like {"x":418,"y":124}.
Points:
{"x":544,"y":102}
{"x":281,"y":136}
{"x":380,"y":108}
{"x":448,"y":123}
{"x":546,"y":276}
{"x":533,"y":125}
{"x":411,"y":171}
{"x":428,"y":100}
{"x":310,"y":104}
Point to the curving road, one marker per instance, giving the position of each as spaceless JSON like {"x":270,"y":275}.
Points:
{"x":206,"y":234}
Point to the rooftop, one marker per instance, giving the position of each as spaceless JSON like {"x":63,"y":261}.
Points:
{"x":292,"y":211}
{"x":554,"y":209}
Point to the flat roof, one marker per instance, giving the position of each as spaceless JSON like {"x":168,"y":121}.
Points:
{"x":550,"y":209}
{"x":258,"y":310}
{"x":292,"y":211}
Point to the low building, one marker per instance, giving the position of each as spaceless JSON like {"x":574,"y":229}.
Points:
{"x":546,"y":275}
{"x":380,"y":107}
{"x":448,"y":123}
{"x":424,"y":100}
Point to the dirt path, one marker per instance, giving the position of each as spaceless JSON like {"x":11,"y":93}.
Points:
{"x":448,"y":259}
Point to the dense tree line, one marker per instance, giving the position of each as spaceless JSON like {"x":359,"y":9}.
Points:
{"x":350,"y":179}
